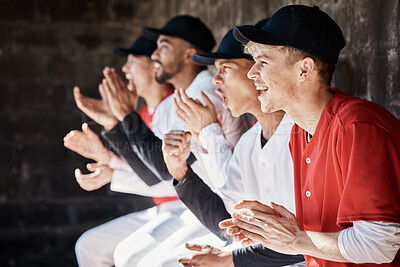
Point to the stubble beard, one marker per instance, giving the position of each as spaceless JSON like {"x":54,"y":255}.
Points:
{"x":168,"y":72}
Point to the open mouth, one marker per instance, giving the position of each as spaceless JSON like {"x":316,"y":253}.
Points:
{"x":131,"y":86}
{"x":224,"y":100}
{"x":156,"y":66}
{"x":262,"y":90}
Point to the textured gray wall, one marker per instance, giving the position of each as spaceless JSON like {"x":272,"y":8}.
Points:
{"x":47,"y":47}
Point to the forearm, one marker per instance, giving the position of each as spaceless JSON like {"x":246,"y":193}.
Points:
{"x":320,"y":245}
{"x":259,"y":255}
{"x":117,"y":139}
{"x":219,"y":153}
{"x":130,"y":182}
{"x":143,"y":140}
{"x":206,"y":205}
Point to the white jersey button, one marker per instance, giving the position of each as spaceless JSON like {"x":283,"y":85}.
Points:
{"x":308,"y":193}
{"x":308,"y":160}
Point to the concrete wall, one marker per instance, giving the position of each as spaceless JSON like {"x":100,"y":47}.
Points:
{"x":47,"y":47}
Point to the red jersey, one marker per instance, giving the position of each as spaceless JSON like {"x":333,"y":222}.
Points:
{"x":349,"y":171}
{"x":147,"y":117}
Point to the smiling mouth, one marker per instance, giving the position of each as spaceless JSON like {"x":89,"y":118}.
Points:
{"x":156,"y":66}
{"x":262,"y":90}
{"x":261,"y":93}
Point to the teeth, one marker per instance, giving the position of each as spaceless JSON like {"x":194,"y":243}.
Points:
{"x":157,"y":65}
{"x":130,"y":85}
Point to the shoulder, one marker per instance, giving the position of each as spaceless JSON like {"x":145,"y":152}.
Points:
{"x":165,"y":104}
{"x":355,"y":110}
{"x":204,"y":81}
{"x":249,"y":137}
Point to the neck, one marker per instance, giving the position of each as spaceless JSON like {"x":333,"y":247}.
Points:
{"x":184,"y":78}
{"x":308,"y":110}
{"x":269,"y":122}
{"x":158,"y":93}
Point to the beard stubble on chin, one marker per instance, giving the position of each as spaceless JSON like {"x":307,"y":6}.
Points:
{"x":168,"y":71}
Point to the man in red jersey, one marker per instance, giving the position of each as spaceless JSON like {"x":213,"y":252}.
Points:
{"x":345,"y":151}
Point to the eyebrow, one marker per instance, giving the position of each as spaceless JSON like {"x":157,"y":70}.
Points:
{"x":163,"y":40}
{"x":262,"y":56}
{"x":222,"y":62}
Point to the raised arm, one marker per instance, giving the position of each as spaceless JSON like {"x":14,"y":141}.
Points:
{"x":207,"y":206}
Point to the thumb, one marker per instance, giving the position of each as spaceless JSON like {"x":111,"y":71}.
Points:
{"x":93,"y":166}
{"x":78,"y":173}
{"x":188,"y":137}
{"x":219,"y":118}
{"x":283,"y":212}
{"x":77,"y":95}
{"x":86,"y":129}
{"x":76,"y":90}
{"x":102,"y":93}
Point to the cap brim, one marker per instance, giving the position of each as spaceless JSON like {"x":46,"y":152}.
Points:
{"x":151,"y":33}
{"x":206,"y":59}
{"x":123,"y":52}
{"x":209,"y":58}
{"x":245,"y":34}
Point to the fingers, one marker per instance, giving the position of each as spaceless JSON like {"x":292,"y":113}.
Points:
{"x":186,"y":260}
{"x":249,"y":238}
{"x":94,"y":166}
{"x":193,"y":104}
{"x":207,"y":100}
{"x":219,"y":118}
{"x":80,"y":176}
{"x":182,"y":102}
{"x":255,"y":205}
{"x":188,"y":137}
{"x":108,"y":92}
{"x":110,"y":81}
{"x":253,"y":225}
{"x":197,"y":247}
{"x":182,"y":115}
{"x":73,"y":139}
{"x":283,"y":212}
{"x":103,"y":94}
{"x":78,"y":96}
{"x":174,"y":142}
{"x":87,"y":181}
{"x":76,"y":91}
{"x":226,"y":224}
{"x":114,"y":80}
{"x":87,"y":130}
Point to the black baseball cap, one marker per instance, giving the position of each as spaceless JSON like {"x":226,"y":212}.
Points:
{"x":306,"y":28}
{"x":141,"y":47}
{"x":187,"y":28}
{"x":229,"y":48}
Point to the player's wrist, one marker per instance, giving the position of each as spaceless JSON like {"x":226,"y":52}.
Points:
{"x":180,"y":173}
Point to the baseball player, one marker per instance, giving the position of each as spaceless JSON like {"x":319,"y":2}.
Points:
{"x":260,"y":166}
{"x":345,"y":150}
